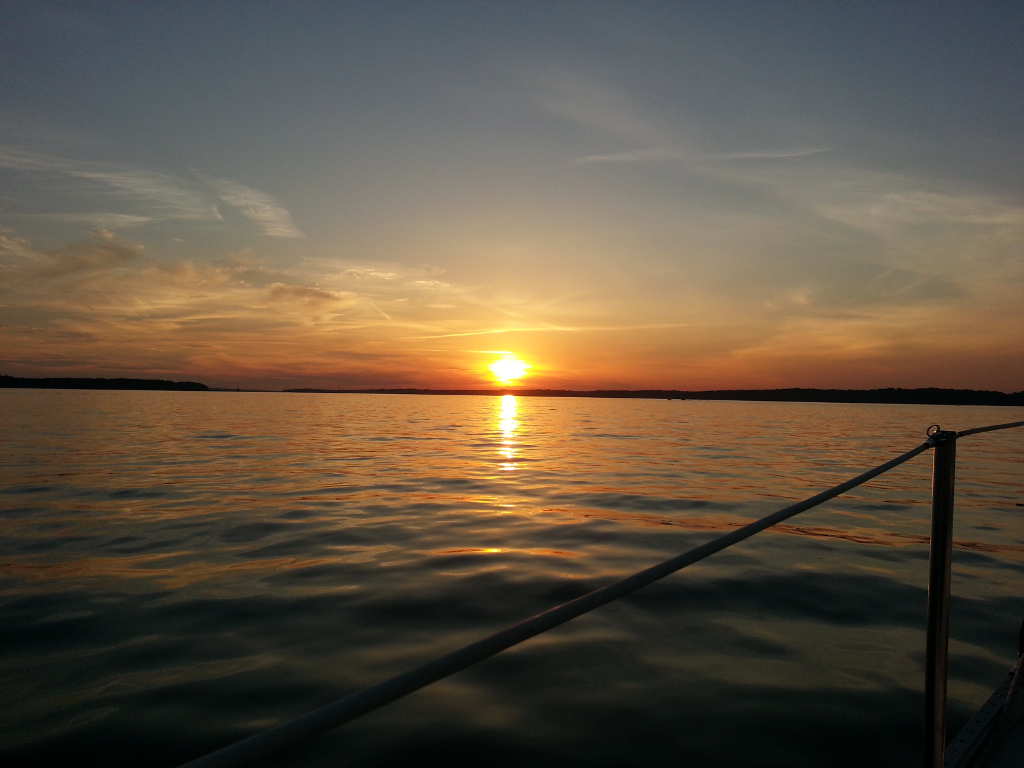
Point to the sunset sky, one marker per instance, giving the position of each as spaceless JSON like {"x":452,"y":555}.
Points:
{"x":624,"y":195}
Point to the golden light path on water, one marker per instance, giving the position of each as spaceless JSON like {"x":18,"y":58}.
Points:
{"x":508,"y":409}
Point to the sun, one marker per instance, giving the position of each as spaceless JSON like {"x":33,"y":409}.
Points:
{"x":508,"y":369}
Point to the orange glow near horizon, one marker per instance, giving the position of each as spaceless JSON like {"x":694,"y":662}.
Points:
{"x":508,"y":369}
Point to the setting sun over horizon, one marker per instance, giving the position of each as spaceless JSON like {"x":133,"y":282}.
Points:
{"x":508,"y":369}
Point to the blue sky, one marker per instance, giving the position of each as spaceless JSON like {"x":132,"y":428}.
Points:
{"x":624,"y":194}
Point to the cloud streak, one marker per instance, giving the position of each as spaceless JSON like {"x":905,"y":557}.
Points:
{"x":558,"y":329}
{"x":161,"y":195}
{"x":887,"y":209}
{"x":152,"y":195}
{"x":671,"y":154}
{"x":99,"y":219}
{"x":269,"y":216}
{"x":167,"y":196}
{"x":632,"y":156}
{"x":770,"y":154}
{"x":596,"y":107}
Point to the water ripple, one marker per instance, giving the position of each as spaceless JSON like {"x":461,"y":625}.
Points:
{"x":165,"y":589}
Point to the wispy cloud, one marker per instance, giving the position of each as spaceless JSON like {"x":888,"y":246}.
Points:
{"x":597,"y":107}
{"x":883,"y":210}
{"x":22,"y":160}
{"x":769,"y":154}
{"x":283,"y":291}
{"x":107,"y":282}
{"x":272,"y":218}
{"x":376,"y":308}
{"x":98,"y":219}
{"x":36,"y":269}
{"x":558,"y":329}
{"x":361,"y":273}
{"x":632,"y":156}
{"x":14,"y":251}
{"x":168,"y":196}
{"x":614,"y":114}
{"x":161,"y":195}
{"x":673,"y":154}
{"x":152,"y":195}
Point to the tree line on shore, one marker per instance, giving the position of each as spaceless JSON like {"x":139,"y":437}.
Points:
{"x":893,"y":395}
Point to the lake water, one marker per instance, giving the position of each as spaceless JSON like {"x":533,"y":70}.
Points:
{"x":179,"y":569}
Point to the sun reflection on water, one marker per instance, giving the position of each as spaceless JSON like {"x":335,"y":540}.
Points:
{"x":509,"y":425}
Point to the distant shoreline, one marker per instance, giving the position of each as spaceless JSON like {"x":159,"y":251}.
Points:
{"x":887,"y":395}
{"x":9,"y":382}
